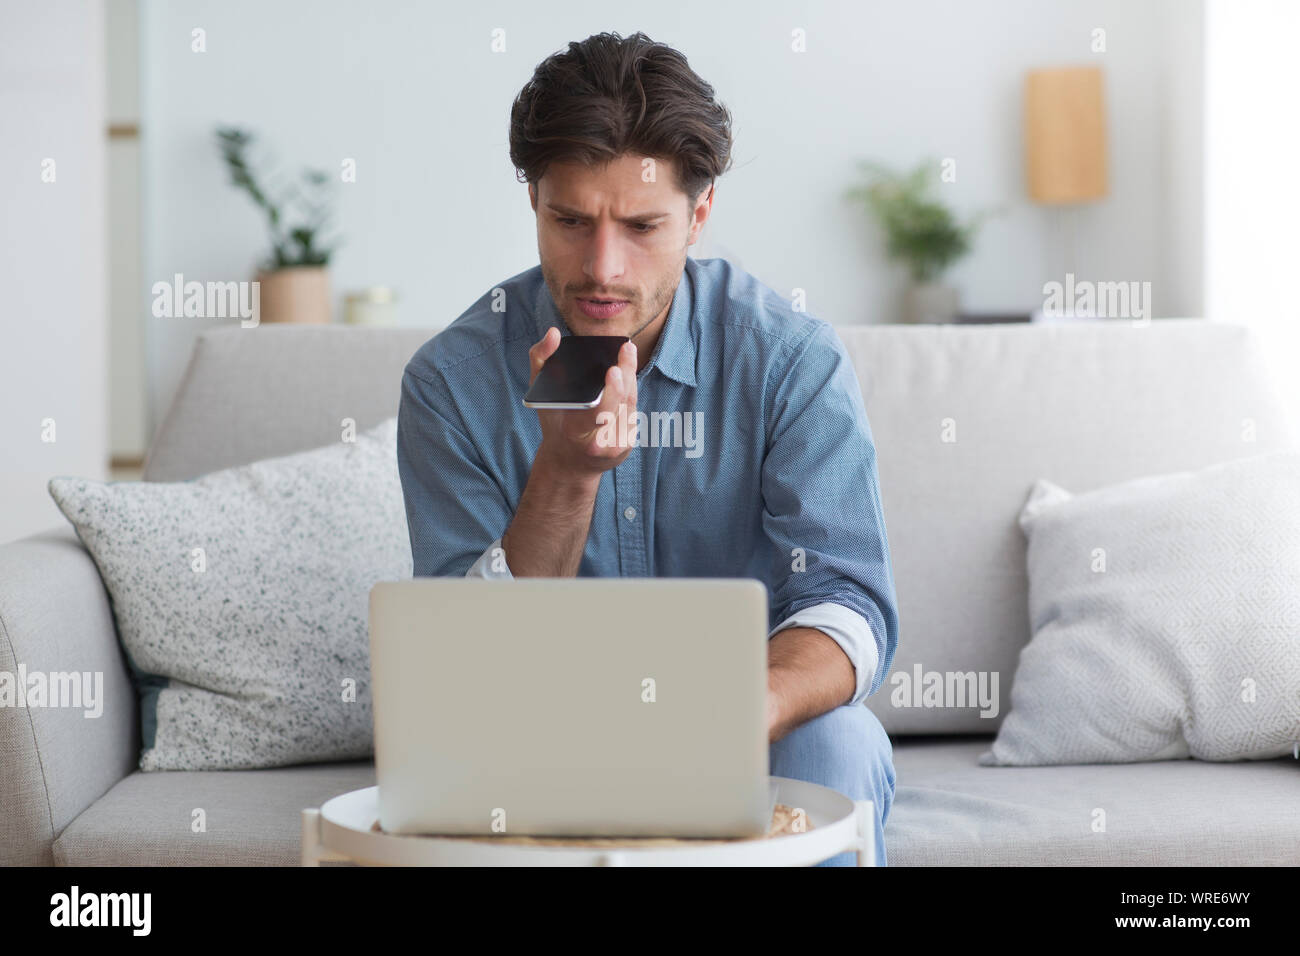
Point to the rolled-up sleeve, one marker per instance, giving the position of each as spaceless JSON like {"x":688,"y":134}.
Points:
{"x":822,"y":510}
{"x":849,"y":630}
{"x":491,"y":564}
{"x":455,"y":509}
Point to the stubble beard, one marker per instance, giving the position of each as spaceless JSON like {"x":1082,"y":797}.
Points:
{"x":661,"y":296}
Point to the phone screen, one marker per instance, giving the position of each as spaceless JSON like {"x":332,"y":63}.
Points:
{"x":574,"y":375}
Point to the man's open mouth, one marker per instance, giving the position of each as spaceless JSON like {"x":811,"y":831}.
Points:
{"x":601,"y":308}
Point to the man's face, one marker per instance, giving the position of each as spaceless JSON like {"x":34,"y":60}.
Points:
{"x":607,"y":233}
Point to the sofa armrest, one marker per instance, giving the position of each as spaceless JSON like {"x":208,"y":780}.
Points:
{"x":55,"y":761}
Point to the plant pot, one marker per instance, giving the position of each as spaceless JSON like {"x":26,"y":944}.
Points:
{"x":930,"y":303}
{"x":295,"y":294}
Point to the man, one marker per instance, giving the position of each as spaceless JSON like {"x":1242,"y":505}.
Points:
{"x":757,"y":461}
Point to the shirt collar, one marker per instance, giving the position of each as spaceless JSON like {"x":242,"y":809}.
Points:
{"x":674,"y":353}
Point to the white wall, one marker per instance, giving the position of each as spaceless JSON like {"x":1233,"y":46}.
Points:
{"x":1252,"y":204}
{"x":128,"y":392}
{"x":414,"y":94}
{"x":1181,"y":237}
{"x":52,"y":282}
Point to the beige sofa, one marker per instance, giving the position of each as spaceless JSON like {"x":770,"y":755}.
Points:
{"x":1083,"y":404}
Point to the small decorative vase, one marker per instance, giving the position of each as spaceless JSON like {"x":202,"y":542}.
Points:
{"x":295,"y":294}
{"x":373,"y":306}
{"x":930,"y":303}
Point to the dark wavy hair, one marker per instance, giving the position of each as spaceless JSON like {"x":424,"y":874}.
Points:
{"x":609,"y":95}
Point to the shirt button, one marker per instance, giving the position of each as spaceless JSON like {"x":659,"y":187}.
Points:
{"x":629,"y":513}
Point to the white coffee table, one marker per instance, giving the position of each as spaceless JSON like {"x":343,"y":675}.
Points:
{"x":343,"y":830}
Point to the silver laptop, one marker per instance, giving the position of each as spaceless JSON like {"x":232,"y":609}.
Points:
{"x":571,"y":706}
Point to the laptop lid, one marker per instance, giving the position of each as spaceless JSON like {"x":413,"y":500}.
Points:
{"x":571,"y":706}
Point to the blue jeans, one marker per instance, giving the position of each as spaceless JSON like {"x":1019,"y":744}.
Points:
{"x":847,"y":750}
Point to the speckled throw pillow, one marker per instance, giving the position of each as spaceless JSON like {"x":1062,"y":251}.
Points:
{"x":242,"y":600}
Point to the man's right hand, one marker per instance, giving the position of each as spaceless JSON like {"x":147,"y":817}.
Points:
{"x":548,"y":533}
{"x":588,"y":441}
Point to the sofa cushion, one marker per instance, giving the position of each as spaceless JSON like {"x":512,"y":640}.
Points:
{"x":967,"y":418}
{"x":242,"y":600}
{"x":252,"y":817}
{"x":1167,"y":612}
{"x":947,"y":810}
{"x":950,"y":811}
{"x":312,"y":376}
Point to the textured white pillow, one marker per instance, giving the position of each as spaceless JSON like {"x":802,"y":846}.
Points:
{"x":244,"y":652}
{"x":1186,"y":644}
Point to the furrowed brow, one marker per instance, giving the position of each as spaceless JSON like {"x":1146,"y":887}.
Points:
{"x":576,"y":214}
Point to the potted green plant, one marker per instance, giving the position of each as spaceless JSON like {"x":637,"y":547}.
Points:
{"x":921,"y":232}
{"x":294,"y":278}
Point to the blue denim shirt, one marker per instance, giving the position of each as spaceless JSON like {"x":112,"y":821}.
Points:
{"x":755,"y":458}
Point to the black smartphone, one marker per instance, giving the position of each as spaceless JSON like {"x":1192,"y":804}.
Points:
{"x":574,"y":375}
